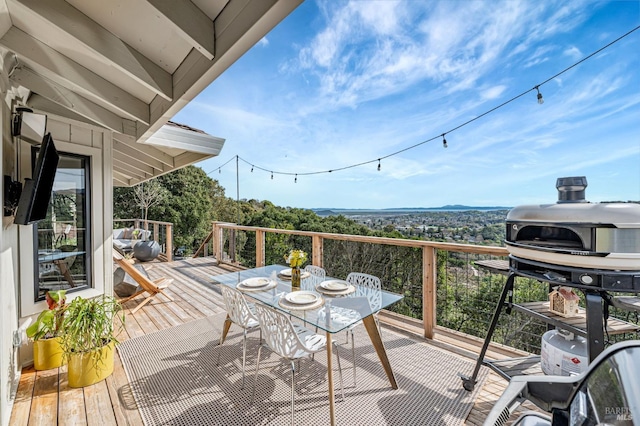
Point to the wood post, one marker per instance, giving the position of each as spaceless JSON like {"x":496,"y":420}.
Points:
{"x":216,"y":237}
{"x":169,"y":244}
{"x":429,"y":262}
{"x":260,"y":251}
{"x":317,"y":250}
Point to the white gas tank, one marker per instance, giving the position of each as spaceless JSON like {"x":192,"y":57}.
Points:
{"x":563,"y":354}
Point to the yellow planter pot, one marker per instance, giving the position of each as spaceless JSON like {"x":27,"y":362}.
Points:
{"x":88,"y":368}
{"x":47,"y":354}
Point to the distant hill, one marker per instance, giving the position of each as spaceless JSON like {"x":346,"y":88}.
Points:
{"x":403,"y":210}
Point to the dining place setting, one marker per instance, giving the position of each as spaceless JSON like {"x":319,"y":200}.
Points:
{"x":297,"y":298}
{"x":325,"y":304}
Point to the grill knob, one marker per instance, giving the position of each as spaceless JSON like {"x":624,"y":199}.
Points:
{"x":586,"y":279}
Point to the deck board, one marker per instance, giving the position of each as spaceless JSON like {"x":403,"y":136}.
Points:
{"x":45,"y":398}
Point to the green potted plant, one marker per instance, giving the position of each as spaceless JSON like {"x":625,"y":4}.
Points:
{"x":89,"y":338}
{"x":45,"y":333}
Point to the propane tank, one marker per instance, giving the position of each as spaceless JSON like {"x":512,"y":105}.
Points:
{"x":563,"y":354}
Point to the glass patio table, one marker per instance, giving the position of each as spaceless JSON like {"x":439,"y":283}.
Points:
{"x":332,"y":313}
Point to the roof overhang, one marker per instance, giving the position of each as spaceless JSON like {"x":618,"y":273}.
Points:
{"x":130,"y":65}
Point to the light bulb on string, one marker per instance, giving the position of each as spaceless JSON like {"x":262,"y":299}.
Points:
{"x":540,"y":99}
{"x":379,"y":166}
{"x":295,"y":180}
{"x":271,"y":175}
{"x":444,"y":142}
{"x":219,"y":171}
{"x":252,"y":168}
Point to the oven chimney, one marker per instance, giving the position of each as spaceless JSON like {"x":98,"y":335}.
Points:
{"x":571,"y":189}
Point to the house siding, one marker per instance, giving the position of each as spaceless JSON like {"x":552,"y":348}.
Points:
{"x":15,"y":279}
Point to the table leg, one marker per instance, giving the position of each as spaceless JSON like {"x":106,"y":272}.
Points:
{"x":332,"y":408}
{"x":225,"y":329}
{"x":374,"y":334}
{"x":62,"y":267}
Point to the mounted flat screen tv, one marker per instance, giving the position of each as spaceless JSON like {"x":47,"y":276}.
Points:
{"x":35,"y":196}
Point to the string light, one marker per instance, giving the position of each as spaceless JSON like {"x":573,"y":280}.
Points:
{"x":444,"y":141}
{"x":296,"y":179}
{"x":220,"y":171}
{"x":540,"y":99}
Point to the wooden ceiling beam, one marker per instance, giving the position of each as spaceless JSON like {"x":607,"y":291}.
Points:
{"x":146,"y":154}
{"x":69,"y":73}
{"x":66,"y":18}
{"x":131,"y":165}
{"x":70,"y":100}
{"x":120,"y":179}
{"x":190,"y":22}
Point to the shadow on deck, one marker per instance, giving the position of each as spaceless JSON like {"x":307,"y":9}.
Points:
{"x":44,"y":398}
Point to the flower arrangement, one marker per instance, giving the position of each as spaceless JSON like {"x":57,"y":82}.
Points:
{"x":296,"y":258}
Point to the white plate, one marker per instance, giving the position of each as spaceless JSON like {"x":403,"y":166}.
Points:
{"x":302,"y":297}
{"x":286,"y":272}
{"x":255,"y":282}
{"x":334,"y":285}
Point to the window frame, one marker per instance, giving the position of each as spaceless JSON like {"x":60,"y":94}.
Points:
{"x":87,"y":222}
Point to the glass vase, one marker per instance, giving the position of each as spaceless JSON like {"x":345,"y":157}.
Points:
{"x":295,"y":278}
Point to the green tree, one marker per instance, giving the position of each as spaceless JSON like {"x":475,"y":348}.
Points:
{"x":191,"y":201}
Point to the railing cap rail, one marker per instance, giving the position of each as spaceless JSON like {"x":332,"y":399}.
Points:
{"x":471,"y":248}
{"x":142,"y":220}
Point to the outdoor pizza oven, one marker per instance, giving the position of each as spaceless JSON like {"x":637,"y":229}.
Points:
{"x":574,"y":235}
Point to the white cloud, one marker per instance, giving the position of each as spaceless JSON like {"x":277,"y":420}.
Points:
{"x":493,"y":92}
{"x":573,"y":52}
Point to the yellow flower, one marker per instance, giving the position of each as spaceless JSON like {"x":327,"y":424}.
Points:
{"x":296,"y":258}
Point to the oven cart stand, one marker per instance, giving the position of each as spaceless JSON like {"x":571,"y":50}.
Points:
{"x":595,"y":329}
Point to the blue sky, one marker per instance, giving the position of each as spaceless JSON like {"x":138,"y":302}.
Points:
{"x":339,"y":83}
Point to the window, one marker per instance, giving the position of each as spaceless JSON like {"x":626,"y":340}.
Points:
{"x":63,"y":260}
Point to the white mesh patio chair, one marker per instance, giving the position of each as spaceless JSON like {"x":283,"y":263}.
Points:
{"x":291,"y":342}
{"x":241,"y":313}
{"x":317,"y":275}
{"x":368,"y":286}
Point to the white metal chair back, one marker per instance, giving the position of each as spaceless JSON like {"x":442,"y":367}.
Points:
{"x":240,"y":313}
{"x":237,"y":308}
{"x":317,"y":275}
{"x":290,"y":342}
{"x":369,"y":286}
{"x":282,"y":336}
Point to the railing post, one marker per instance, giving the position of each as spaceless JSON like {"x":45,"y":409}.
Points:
{"x":232,"y":244}
{"x":169,"y":252}
{"x":216,"y":238}
{"x":260,"y":252}
{"x":429,"y":262}
{"x":317,"y":250}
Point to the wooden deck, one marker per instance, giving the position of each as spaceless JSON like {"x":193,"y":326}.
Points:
{"x":44,"y":398}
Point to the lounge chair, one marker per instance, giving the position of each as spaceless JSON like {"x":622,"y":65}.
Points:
{"x":153,"y":288}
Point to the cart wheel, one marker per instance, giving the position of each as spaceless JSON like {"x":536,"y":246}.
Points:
{"x":467,"y":383}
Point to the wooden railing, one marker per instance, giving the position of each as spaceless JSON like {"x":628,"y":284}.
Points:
{"x":161,"y":232}
{"x":429,"y":260}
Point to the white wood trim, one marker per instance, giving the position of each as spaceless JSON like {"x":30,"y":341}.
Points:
{"x":98,"y":212}
{"x":62,"y":17}
{"x":107,"y":212}
{"x":190,"y":22}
